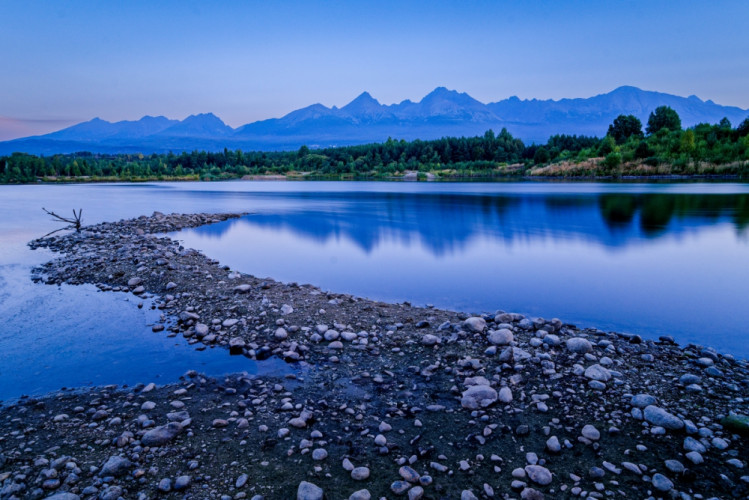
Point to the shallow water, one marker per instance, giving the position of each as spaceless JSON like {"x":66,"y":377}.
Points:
{"x":651,"y":259}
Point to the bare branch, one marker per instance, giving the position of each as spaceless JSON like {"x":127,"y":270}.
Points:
{"x":75,"y":222}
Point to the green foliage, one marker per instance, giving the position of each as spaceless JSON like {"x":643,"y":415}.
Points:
{"x":612,"y":160}
{"x":608,"y":145}
{"x":624,"y":127}
{"x":743,"y":128}
{"x":663,"y":117}
{"x":687,"y":142}
{"x":541,"y":156}
{"x":643,"y":150}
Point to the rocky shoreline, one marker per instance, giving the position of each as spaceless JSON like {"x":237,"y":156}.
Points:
{"x":384,"y":400}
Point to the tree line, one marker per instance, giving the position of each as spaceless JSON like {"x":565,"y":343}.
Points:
{"x":662,"y":148}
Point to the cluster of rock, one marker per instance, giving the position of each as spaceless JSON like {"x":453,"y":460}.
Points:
{"x":390,"y":400}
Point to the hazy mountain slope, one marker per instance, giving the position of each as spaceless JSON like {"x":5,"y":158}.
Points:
{"x":440,"y":113}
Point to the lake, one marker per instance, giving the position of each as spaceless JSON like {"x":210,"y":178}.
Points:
{"x":647,"y":258}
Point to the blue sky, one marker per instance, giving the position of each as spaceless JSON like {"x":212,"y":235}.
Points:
{"x":66,"y":62}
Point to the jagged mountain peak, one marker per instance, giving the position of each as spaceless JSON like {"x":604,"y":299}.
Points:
{"x":442,"y":112}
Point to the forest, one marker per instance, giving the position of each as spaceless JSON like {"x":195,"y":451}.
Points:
{"x":663,"y":148}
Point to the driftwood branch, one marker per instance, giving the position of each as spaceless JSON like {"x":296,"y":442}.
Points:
{"x":74,"y":223}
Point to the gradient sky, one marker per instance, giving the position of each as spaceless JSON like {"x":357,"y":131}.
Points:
{"x":66,"y":62}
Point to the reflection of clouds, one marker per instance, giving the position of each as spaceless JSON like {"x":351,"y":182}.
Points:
{"x":446,"y":223}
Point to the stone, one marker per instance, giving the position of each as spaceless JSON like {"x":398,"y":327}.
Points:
{"x":236,"y":344}
{"x":430,"y":340}
{"x":579,"y":345}
{"x":286,"y":309}
{"x":478,"y":396}
{"x":360,"y":495}
{"x":319,"y":454}
{"x":660,"y":417}
{"x":182,"y":483}
{"x":538,"y":474}
{"x":598,"y":372}
{"x":675,"y":466}
{"x":161,"y":435}
{"x":380,"y":440}
{"x":661,"y":482}
{"x":719,"y":443}
{"x":691,"y":444}
{"x":416,"y":493}
{"x":308,"y":491}
{"x":632,"y":468}
{"x":360,"y":473}
{"x":475,"y":324}
{"x":63,"y":496}
{"x":553,"y":445}
{"x":689,"y":379}
{"x":115,"y":466}
{"x":591,"y":433}
{"x":501,"y":337}
{"x":399,"y":487}
{"x":642,"y":400}
{"x":552,"y":340}
{"x":111,"y":493}
{"x":165,"y":485}
{"x":241,"y":480}
{"x":409,"y":474}
{"x":596,"y":385}
{"x":695,"y":457}
{"x":467,"y":495}
{"x":505,"y":395}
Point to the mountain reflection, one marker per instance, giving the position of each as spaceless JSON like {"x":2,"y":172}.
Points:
{"x":446,"y":223}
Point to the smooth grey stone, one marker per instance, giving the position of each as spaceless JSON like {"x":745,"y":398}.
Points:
{"x":161,"y":435}
{"x":598,"y":372}
{"x":691,"y":444}
{"x":308,"y":491}
{"x":658,"y":416}
{"x":579,"y":345}
{"x":115,"y":466}
{"x":661,"y":482}
{"x":538,"y":474}
{"x":642,"y":400}
{"x":478,"y":396}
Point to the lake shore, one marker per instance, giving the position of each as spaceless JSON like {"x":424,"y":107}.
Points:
{"x":538,"y":175}
{"x":388,"y":398}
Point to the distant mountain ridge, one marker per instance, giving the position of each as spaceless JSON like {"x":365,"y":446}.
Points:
{"x":440,"y":113}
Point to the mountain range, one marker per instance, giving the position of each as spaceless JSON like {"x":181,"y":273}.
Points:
{"x":440,"y":113}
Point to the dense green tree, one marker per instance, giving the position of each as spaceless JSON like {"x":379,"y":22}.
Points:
{"x":608,"y":146}
{"x":743,"y":128}
{"x":663,"y":117}
{"x":624,"y":127}
{"x":541,"y":156}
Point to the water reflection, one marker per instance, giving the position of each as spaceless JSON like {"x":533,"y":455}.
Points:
{"x":445,"y":223}
{"x":647,"y":262}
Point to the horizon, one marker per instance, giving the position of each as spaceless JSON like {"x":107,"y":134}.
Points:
{"x":338,"y":107}
{"x":250,"y":62}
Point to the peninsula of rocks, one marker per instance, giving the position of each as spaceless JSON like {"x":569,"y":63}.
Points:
{"x":380,"y":400}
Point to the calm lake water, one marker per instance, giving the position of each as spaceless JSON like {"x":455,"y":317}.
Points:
{"x":651,"y":259}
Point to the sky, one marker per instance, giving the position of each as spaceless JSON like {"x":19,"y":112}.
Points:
{"x":67,"y":62}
